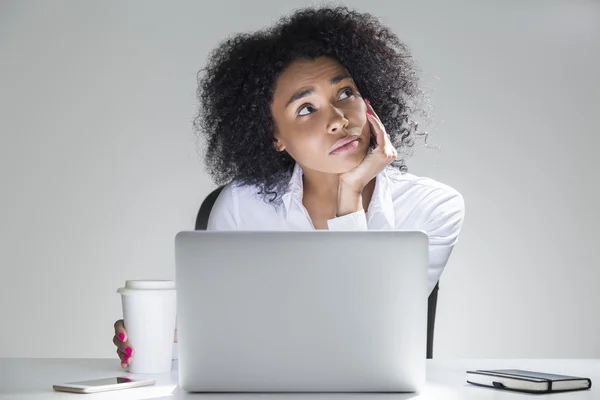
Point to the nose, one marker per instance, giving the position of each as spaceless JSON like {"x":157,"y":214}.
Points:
{"x":337,"y":121}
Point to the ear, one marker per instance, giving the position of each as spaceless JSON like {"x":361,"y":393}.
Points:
{"x":279,"y":146}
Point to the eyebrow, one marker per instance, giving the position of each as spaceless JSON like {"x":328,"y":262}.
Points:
{"x":307,"y":92}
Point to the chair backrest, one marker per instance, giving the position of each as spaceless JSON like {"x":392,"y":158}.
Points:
{"x":202,"y":223}
{"x":205,"y":208}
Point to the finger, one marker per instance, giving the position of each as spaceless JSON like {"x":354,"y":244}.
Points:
{"x":393,"y":154}
{"x":124,"y":359}
{"x":384,"y":142}
{"x":124,"y":347}
{"x":120,"y":331}
{"x":371,"y":112}
{"x":121,"y":335}
{"x":378,"y":130}
{"x":370,"y":108}
{"x":389,"y":150}
{"x":383,"y":139}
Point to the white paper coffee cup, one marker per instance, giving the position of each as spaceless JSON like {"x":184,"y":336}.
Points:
{"x":149,"y":310}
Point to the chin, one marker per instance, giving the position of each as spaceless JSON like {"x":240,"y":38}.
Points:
{"x":348,"y":162}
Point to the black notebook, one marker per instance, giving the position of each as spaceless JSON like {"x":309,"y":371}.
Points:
{"x":527,"y":381}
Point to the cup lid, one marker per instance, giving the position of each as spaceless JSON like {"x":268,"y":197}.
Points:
{"x":150,"y":284}
{"x":146,"y":285}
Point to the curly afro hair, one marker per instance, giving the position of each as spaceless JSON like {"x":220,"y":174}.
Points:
{"x":236,"y":87}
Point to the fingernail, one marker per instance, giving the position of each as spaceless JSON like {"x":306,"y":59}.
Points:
{"x":369,"y":112}
{"x":126,"y":358}
{"x":368,"y":102}
{"x":122,"y":336}
{"x":128,"y":350}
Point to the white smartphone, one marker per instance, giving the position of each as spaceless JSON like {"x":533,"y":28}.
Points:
{"x":102,"y":385}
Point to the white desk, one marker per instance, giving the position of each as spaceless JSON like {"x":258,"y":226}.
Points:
{"x":22,"y":378}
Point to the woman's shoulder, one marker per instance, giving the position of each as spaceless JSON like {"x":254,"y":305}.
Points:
{"x":241,"y":196}
{"x":238,"y":205}
{"x":405,"y":183}
{"x":423,"y":199}
{"x":423,"y":203}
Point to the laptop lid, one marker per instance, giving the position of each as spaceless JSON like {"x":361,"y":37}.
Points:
{"x":313,"y":311}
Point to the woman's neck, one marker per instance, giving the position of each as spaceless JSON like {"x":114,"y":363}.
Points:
{"x":322,"y":188}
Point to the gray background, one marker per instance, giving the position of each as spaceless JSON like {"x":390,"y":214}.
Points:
{"x":99,"y":167}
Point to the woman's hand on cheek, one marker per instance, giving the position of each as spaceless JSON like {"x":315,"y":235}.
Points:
{"x":376,"y":161}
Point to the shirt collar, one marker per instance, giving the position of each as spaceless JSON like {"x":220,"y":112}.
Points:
{"x":381,"y":207}
{"x":295,"y":189}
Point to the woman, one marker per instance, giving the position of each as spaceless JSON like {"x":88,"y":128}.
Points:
{"x":289,"y":128}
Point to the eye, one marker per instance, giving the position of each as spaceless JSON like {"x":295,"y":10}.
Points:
{"x":348,"y":92}
{"x":305,"y":107}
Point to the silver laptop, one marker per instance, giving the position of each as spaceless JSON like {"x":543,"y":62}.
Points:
{"x":317,"y":311}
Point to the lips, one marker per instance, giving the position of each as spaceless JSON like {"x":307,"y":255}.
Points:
{"x":342,"y":142}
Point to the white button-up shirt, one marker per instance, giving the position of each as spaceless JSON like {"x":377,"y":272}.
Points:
{"x":400,"y":201}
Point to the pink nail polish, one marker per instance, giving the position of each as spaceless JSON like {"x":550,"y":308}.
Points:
{"x":128,"y":351}
{"x":121,"y":336}
{"x":126,"y":358}
{"x":369,"y":112}
{"x":368,"y":102}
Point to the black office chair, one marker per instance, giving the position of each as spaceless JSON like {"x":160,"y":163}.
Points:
{"x":202,"y":223}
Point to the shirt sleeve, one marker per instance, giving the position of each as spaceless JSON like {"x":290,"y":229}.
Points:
{"x":224,"y":214}
{"x":444,"y":218}
{"x":356,"y":221}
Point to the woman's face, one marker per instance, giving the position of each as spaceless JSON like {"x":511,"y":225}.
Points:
{"x":316,"y":105}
